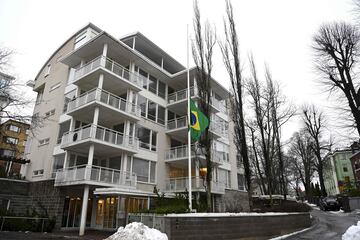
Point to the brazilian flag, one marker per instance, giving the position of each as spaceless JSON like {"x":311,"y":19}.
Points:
{"x":198,"y":121}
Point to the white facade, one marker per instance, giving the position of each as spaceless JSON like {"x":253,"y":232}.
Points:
{"x":115,"y":128}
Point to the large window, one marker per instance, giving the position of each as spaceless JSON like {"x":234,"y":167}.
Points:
{"x":13,"y":128}
{"x":241,"y":182}
{"x":151,"y":110}
{"x":68,"y":97}
{"x":144,"y":170}
{"x":162,"y":90}
{"x":11,"y":140}
{"x":146,"y":137}
{"x":58,"y":163}
{"x":151,"y":83}
{"x":7,"y":152}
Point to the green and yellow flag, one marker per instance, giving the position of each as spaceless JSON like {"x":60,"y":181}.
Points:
{"x":198,"y":122}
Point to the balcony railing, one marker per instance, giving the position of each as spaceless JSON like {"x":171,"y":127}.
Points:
{"x":181,"y":152}
{"x":110,"y":65}
{"x":103,"y":134}
{"x":94,"y":174}
{"x":197,"y":184}
{"x":177,"y":123}
{"x":180,"y":95}
{"x":218,"y":128}
{"x":108,"y":98}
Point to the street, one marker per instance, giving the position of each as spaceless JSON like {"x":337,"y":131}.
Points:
{"x":329,"y":225}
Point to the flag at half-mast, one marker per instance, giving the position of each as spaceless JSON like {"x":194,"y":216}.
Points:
{"x":198,"y":121}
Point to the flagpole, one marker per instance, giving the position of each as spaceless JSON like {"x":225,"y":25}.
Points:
{"x":188,"y":114}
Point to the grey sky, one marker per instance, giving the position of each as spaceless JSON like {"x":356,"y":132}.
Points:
{"x":277,"y":32}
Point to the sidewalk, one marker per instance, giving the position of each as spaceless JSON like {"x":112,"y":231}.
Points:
{"x":58,"y":235}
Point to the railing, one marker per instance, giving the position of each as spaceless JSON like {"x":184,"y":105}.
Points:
{"x":100,"y":133}
{"x":106,"y":97}
{"x":177,"y":123}
{"x":180,"y":95}
{"x":218,"y":128}
{"x":94,"y":174}
{"x":181,"y":152}
{"x":197,"y":184}
{"x":110,"y":65}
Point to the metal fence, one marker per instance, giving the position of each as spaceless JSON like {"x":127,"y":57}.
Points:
{"x":33,"y":220}
{"x":149,"y":219}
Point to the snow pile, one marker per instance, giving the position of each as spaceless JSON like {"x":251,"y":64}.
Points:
{"x":137,"y":231}
{"x":241,"y":214}
{"x":352,"y":233}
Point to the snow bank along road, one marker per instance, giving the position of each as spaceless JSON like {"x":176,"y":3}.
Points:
{"x":329,"y":225}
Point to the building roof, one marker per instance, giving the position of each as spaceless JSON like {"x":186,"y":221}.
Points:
{"x":7,"y":76}
{"x":16,"y":121}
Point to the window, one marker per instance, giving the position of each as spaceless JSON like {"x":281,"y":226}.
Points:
{"x":162,"y":90}
{"x":69,"y":97}
{"x":63,"y":128}
{"x":241,"y":182}
{"x":38,"y":172}
{"x":144,"y":170}
{"x":55,"y":86}
{"x":146,"y":137}
{"x":13,"y":128}
{"x":144,"y":76}
{"x":44,"y":141}
{"x":151,"y":110}
{"x":50,"y":113}
{"x":161,"y":115}
{"x":10,"y":140}
{"x":47,"y":70}
{"x":152,"y":84}
{"x":142,"y":104}
{"x":7,"y":152}
{"x":345,"y":169}
{"x":39,"y":97}
{"x":58,"y":163}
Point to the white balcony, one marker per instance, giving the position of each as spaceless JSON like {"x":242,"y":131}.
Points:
{"x":112,"y":107}
{"x":178,"y":129}
{"x":116,"y":77}
{"x":107,"y":141}
{"x":179,"y":155}
{"x":95,"y":175}
{"x":198,"y":184}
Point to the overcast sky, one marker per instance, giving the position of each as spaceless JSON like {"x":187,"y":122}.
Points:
{"x":277,"y":32}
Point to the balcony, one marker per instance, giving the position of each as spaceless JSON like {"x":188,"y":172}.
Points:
{"x":178,"y":129}
{"x":95,"y":175}
{"x":177,"y":185}
{"x":179,"y":155}
{"x":116,"y":77}
{"x":177,"y":102}
{"x":107,"y":141}
{"x":112,"y":107}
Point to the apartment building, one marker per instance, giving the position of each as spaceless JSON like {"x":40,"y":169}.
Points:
{"x":338,"y":173}
{"x":116,"y":129}
{"x":13,"y":135}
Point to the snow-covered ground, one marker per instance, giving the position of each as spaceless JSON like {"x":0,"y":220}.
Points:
{"x":230,"y":214}
{"x":137,"y":231}
{"x":352,"y":233}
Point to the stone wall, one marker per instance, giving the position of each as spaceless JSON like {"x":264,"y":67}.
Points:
{"x":25,"y":196}
{"x":234,"y":227}
{"x":232,"y":201}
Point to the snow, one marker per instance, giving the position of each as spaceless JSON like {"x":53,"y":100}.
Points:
{"x":137,"y":231}
{"x":352,"y":233}
{"x":229,"y":214}
{"x":289,"y":235}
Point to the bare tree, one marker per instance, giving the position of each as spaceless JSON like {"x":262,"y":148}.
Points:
{"x":336,"y":48}
{"x":314,"y":120}
{"x":303,"y":157}
{"x":202,"y":51}
{"x":231,"y":56}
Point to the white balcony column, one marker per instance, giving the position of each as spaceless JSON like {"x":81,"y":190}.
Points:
{"x":101,"y":81}
{"x":105,"y":49}
{"x":84,"y":210}
{"x":195,"y":87}
{"x":91,"y":154}
{"x":197,"y":172}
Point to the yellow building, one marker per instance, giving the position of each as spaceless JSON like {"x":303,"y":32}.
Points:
{"x":13,"y":135}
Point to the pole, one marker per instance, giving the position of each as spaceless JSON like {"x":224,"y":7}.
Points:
{"x":188,"y":114}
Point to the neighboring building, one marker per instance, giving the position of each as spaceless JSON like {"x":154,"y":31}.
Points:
{"x":338,"y":173}
{"x":355,"y":163}
{"x":116,"y":129}
{"x":13,"y":135}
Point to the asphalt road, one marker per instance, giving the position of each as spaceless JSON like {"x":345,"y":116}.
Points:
{"x":329,"y":225}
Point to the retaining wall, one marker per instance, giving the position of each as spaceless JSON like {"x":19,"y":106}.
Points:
{"x":25,"y":196}
{"x":234,"y":227}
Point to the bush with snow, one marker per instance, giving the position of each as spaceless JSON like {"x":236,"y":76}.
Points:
{"x":137,"y":231}
{"x":352,"y":233}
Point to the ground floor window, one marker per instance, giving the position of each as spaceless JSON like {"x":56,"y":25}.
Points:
{"x":72,"y":212}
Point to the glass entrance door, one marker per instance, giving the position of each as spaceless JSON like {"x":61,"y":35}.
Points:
{"x":106,"y":210}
